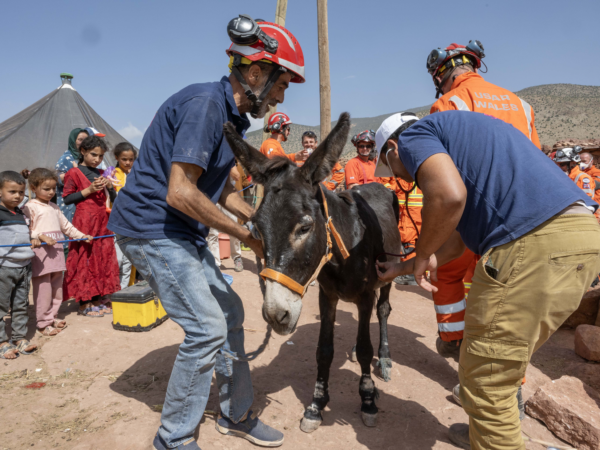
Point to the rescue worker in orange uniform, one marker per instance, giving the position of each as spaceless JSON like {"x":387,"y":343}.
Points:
{"x":279,"y":127}
{"x":309,"y":143}
{"x":569,"y":159}
{"x":410,"y":199}
{"x":361,"y":169}
{"x":455,"y":75}
{"x":587,"y":166}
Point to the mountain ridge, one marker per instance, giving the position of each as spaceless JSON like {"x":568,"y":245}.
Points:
{"x":562,"y":111}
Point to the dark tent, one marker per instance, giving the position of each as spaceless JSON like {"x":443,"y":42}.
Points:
{"x":38,"y":135}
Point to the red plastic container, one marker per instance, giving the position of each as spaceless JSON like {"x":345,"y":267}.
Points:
{"x":224,"y":248}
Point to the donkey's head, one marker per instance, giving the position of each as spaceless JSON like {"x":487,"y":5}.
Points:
{"x":290,"y":218}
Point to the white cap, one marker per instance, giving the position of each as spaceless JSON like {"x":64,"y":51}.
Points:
{"x":386,"y":129}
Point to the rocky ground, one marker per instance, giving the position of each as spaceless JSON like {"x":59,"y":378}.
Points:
{"x":104,"y":388}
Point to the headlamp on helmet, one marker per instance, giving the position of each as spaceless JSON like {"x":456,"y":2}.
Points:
{"x":366,"y":136}
{"x":569,"y":154}
{"x":245,"y":31}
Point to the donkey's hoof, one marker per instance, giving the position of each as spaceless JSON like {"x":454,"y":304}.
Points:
{"x":385,"y":366}
{"x":369,"y":420}
{"x":309,"y":425}
{"x":353,"y":357}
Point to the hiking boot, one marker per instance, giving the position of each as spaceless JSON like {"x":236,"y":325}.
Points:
{"x":448,"y":349}
{"x":238,"y":265}
{"x":459,"y":435}
{"x":521,"y":404}
{"x":251,"y":429}
{"x":160,"y":444}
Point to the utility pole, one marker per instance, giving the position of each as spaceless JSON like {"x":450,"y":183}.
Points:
{"x":280,"y":13}
{"x":324,"y":84}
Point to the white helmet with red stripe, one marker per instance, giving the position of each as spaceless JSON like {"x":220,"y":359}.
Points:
{"x":263,"y":41}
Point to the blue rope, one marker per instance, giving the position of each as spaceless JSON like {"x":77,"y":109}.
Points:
{"x":237,"y":192}
{"x":59,"y":242}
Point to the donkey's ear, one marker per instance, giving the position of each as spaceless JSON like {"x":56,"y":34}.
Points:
{"x":252,"y":160}
{"x":318,"y":165}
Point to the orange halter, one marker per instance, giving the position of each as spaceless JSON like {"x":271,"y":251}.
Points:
{"x":294,"y":285}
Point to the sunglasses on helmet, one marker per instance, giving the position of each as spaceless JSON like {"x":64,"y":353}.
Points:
{"x":243,"y":30}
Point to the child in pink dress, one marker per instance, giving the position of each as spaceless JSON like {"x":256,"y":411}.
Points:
{"x":48,"y":224}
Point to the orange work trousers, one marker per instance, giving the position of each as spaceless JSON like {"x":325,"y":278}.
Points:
{"x":454,"y":283}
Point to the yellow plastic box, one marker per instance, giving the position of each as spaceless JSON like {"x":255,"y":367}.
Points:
{"x":137,"y":308}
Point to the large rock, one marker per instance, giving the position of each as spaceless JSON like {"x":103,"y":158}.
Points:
{"x":588,"y":310}
{"x":587,"y":342}
{"x":570,"y":409}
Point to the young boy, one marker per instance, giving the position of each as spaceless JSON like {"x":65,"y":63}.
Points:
{"x":15,"y":266}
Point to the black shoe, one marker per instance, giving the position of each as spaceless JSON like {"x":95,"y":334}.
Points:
{"x":448,"y":349}
{"x":459,"y":435}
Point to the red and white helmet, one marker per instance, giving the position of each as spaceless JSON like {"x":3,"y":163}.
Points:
{"x":276,"y":122}
{"x":288,"y":53}
{"x":263,"y":41}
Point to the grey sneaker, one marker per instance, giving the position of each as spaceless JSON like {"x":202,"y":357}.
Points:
{"x":251,"y":429}
{"x":238,"y":265}
{"x":160,"y":444}
{"x":459,"y":435}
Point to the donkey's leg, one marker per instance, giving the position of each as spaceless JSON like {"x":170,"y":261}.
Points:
{"x":364,"y":353}
{"x":313,"y":414}
{"x":383,"y":312}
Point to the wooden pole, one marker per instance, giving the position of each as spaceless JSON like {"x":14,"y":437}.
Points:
{"x":280,"y":13}
{"x":324,"y":84}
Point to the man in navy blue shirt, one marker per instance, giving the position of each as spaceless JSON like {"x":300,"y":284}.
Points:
{"x":535,"y":230}
{"x":162,"y":217}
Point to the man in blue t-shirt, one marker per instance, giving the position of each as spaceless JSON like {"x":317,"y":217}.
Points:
{"x":163,"y":214}
{"x":535,"y":230}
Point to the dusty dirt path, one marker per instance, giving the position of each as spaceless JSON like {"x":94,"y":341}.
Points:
{"x":104,"y":387}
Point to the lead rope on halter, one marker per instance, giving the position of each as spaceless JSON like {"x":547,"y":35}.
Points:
{"x":263,"y":346}
{"x":330,"y":230}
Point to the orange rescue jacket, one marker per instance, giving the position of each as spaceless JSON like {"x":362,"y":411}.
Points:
{"x":360,"y":172}
{"x":470,"y":92}
{"x":271,"y":147}
{"x":337,"y":177}
{"x":594,"y":172}
{"x":414,"y":204}
{"x":585,"y":182}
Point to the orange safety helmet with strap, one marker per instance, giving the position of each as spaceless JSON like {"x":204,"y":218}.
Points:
{"x":267,"y":42}
{"x":277,"y":123}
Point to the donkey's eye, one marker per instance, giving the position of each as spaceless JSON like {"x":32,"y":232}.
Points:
{"x":305,"y":228}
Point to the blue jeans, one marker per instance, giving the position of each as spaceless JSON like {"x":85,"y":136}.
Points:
{"x":193,"y":292}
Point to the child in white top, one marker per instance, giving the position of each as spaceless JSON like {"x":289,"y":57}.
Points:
{"x":48,"y":224}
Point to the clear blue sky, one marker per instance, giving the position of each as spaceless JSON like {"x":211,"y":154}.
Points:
{"x":130,"y":56}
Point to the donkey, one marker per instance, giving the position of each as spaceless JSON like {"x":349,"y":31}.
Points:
{"x":295,"y":231}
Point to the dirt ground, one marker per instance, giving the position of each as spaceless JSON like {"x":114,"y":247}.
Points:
{"x":104,"y":388}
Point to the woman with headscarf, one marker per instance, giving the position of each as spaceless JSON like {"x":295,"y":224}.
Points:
{"x":66,"y":162}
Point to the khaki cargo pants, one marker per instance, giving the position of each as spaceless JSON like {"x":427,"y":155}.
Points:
{"x":541,"y":279}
